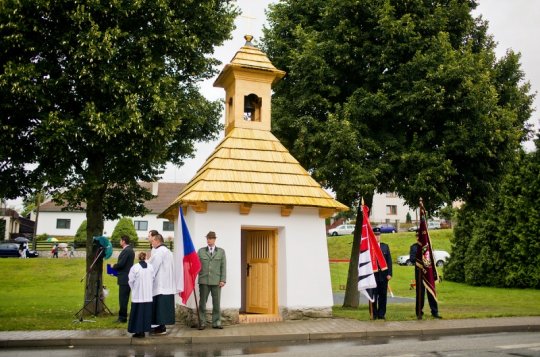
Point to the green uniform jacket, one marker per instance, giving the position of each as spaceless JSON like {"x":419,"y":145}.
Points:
{"x":213,"y":268}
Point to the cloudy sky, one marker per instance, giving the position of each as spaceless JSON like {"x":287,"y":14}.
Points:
{"x":514,"y":24}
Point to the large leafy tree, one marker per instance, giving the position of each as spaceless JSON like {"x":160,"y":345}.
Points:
{"x":98,"y":95}
{"x":395,"y":96}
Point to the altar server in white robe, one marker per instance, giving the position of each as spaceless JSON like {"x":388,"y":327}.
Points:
{"x":141,"y":278}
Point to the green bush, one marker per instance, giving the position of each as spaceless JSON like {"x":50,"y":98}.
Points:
{"x":80,"y":236}
{"x":124,"y":227}
{"x":42,"y":237}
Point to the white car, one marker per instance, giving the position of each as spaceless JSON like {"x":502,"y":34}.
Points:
{"x":341,"y":230}
{"x":440,"y":257}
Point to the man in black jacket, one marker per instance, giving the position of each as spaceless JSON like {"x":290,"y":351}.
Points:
{"x":382,"y":277}
{"x":124,"y":264}
{"x":420,"y":289}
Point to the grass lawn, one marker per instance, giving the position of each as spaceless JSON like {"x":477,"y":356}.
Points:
{"x":43,"y":293}
{"x":456,"y":301}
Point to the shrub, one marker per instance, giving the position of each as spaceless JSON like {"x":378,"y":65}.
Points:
{"x":80,"y":236}
{"x":124,"y":227}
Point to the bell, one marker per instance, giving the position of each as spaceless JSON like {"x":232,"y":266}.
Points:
{"x":248,"y":103}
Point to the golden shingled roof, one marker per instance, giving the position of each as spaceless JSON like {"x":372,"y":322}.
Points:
{"x":249,"y":57}
{"x":253,"y":167}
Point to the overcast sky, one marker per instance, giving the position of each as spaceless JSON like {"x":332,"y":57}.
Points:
{"x":514,"y":24}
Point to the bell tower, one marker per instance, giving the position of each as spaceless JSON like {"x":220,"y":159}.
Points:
{"x":248,"y":81}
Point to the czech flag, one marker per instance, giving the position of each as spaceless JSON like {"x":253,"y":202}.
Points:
{"x":190,"y":260}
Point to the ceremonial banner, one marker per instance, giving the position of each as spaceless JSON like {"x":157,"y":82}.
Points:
{"x":370,"y":257}
{"x":425,"y":260}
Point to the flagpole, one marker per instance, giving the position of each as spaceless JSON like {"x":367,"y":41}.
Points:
{"x":420,"y":282}
{"x":196,"y":304}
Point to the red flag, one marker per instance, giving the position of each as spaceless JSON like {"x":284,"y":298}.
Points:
{"x":370,"y":258}
{"x":425,"y":260}
{"x":190,"y":260}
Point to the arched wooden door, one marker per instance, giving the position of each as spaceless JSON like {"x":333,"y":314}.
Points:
{"x":260,"y":271}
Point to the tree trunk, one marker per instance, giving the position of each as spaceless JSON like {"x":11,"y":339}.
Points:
{"x":352,"y":296}
{"x":94,"y":228}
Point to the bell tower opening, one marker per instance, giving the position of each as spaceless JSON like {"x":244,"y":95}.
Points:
{"x":252,"y":107}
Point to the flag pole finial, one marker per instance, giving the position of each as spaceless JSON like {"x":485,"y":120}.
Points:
{"x":422,"y":209}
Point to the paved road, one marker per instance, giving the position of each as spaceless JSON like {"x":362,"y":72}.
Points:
{"x":497,"y":344}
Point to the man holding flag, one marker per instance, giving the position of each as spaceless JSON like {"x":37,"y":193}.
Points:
{"x":371,"y":259}
{"x":425,"y":271}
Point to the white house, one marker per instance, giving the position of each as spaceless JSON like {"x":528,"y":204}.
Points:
{"x":390,"y":208}
{"x":57,"y":223}
{"x":267,"y":211}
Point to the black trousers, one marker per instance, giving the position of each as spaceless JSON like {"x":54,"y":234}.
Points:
{"x":431,"y":300}
{"x":123,"y":299}
{"x":380,"y":295}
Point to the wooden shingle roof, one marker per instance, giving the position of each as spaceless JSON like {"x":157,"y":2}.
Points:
{"x":253,"y":167}
{"x":166,"y":193}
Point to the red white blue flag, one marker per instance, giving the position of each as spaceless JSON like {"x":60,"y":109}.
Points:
{"x":191,"y":265}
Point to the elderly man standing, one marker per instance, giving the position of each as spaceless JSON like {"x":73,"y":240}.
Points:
{"x":212,"y":278}
{"x":164,"y":286}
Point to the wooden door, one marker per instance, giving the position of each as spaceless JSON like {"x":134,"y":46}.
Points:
{"x":260,"y":272}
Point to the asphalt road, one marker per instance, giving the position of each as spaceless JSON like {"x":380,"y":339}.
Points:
{"x":500,"y":344}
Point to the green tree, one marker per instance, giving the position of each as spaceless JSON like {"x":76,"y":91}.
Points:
{"x":498,"y":245}
{"x":124,"y":227}
{"x":97,"y":96}
{"x":395,"y":96}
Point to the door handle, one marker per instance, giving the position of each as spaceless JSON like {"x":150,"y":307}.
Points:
{"x":247,"y":269}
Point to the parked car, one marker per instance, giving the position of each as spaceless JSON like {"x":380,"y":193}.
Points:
{"x":12,"y":250}
{"x":440,"y":257}
{"x":385,"y":228}
{"x":434,"y":225}
{"x":341,"y":230}
{"x":413,"y":229}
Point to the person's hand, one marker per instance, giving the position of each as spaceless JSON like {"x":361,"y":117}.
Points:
{"x":388,"y":277}
{"x":221,"y":284}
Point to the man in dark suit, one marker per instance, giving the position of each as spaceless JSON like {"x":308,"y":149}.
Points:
{"x":124,"y":264}
{"x":420,"y":289}
{"x":382,"y":277}
{"x":212,"y":278}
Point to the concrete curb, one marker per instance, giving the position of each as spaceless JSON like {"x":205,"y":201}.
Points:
{"x":298,"y":331}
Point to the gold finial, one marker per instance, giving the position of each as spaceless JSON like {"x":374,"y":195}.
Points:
{"x":248,"y":39}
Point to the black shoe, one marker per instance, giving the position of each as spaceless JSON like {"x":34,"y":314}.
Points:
{"x":121,"y":320}
{"x":436,"y":316}
{"x":381,"y":318}
{"x":161,"y":330}
{"x":218,"y":327}
{"x":202,"y":327}
{"x":138,"y":335}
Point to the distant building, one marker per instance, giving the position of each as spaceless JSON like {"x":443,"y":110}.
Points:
{"x":390,"y":208}
{"x":12,"y":225}
{"x":57,"y":223}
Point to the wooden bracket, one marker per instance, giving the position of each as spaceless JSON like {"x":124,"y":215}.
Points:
{"x":245,"y":208}
{"x":286,"y":210}
{"x":199,"y":207}
{"x":326,"y":212}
